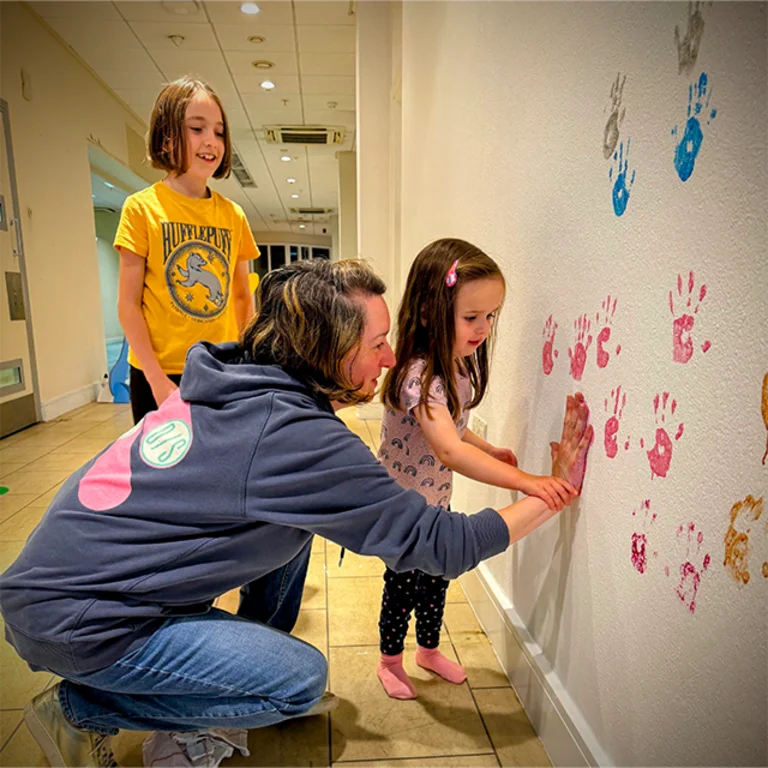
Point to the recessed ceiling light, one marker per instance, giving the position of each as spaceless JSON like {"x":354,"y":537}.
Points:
{"x":107,"y":184}
{"x":302,"y":226}
{"x":267,"y":85}
{"x":256,"y":39}
{"x":285,"y":158}
{"x":250,"y":8}
{"x":294,"y":196}
{"x":263,"y":64}
{"x":291,"y":180}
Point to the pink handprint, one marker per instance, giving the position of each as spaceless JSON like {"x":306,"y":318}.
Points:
{"x":604,"y":336}
{"x":612,"y":424}
{"x":640,"y":538}
{"x":547,"y":353}
{"x":690,"y":575}
{"x":660,"y":456}
{"x":682,"y":343}
{"x":578,"y":354}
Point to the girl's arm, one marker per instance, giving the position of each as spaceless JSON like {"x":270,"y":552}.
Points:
{"x":130,"y":290}
{"x":241,"y":295}
{"x":474,"y":463}
{"x":502,"y":454}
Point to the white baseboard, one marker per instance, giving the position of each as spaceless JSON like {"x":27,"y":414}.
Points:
{"x":57,"y":406}
{"x":565,"y":734}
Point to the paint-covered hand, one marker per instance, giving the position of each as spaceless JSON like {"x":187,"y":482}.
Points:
{"x":503,"y":454}
{"x":569,"y":456}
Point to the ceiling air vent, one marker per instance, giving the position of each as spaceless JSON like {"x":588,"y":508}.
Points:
{"x":240,"y":172}
{"x":304,"y":134}
{"x":311,"y":211}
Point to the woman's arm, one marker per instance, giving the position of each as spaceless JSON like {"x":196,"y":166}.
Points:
{"x":129,"y":310}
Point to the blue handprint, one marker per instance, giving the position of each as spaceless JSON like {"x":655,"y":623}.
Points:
{"x":687,"y":150}
{"x":620,"y":187}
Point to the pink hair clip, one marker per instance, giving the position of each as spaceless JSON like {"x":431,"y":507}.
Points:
{"x":452,"y":277}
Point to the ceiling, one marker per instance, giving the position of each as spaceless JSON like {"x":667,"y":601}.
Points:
{"x":311,"y":44}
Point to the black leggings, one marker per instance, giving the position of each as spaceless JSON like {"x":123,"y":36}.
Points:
{"x":142,"y":399}
{"x":402,"y":593}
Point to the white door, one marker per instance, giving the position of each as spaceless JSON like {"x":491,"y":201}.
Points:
{"x":19,"y":404}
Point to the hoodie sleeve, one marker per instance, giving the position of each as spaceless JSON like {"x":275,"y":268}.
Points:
{"x":310,"y":472}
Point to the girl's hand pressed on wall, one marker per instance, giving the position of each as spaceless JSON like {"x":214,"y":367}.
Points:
{"x":569,"y":456}
{"x":503,"y":454}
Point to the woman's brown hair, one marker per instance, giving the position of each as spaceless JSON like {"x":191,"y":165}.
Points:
{"x":426,"y":323}
{"x":167,"y":143}
{"x":310,"y":320}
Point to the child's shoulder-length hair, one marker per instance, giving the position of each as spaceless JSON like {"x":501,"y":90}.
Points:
{"x":166,"y":142}
{"x":426,"y":324}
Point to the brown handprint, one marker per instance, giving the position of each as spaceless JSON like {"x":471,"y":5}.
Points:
{"x":765,"y":413}
{"x":743,"y":514}
{"x":682,"y":343}
{"x":547,"y":353}
{"x":578,"y":354}
{"x":611,"y":132}
{"x":660,"y":456}
{"x":688,"y":47}
{"x":604,"y":336}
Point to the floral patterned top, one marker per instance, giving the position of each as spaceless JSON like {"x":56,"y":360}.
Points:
{"x":404,"y":449}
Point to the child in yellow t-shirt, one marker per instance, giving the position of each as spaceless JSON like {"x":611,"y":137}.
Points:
{"x":184,"y":249}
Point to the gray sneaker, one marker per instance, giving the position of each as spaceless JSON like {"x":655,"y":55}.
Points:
{"x":64,"y":745}
{"x":328,"y":702}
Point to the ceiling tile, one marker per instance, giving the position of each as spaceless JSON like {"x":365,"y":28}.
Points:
{"x":240,"y":63}
{"x":329,"y":39}
{"x":333,"y":64}
{"x":123,"y":80}
{"x":261,"y":117}
{"x":330,"y":117}
{"x":324,"y":12}
{"x":285,"y":86}
{"x":234,"y":37}
{"x":207,"y":65}
{"x":343,"y":102}
{"x":74,"y":10}
{"x":131,"y":60}
{"x":312,"y":84}
{"x":90,"y":35}
{"x":156,"y":35}
{"x":271,"y":13}
{"x":147,"y":11}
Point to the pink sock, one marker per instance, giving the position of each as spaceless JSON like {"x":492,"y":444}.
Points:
{"x":431,"y":658}
{"x":394,"y":678}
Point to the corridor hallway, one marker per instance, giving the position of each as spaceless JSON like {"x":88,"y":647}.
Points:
{"x":477,"y":724}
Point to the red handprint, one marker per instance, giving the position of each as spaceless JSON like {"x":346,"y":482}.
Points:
{"x":612,"y":424}
{"x":690,"y":575}
{"x":604,"y":336}
{"x":547,"y":353}
{"x":660,"y":456}
{"x":682,"y":343}
{"x":578,"y":354}
{"x":640,"y":539}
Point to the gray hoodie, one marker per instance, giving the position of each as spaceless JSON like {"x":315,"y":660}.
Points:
{"x":220,"y":486}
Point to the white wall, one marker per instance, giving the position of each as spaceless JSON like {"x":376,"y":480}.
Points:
{"x":505,"y":107}
{"x":51,"y":132}
{"x":109,"y":271}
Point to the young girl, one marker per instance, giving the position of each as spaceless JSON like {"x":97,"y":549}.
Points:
{"x":445,"y":328}
{"x":184,"y":249}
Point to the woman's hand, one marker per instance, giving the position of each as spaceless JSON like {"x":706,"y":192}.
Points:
{"x":502,"y":454}
{"x":569,"y":456}
{"x":556,"y":492}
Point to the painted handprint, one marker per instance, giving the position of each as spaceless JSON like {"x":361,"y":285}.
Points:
{"x":612,"y":424}
{"x":690,"y":574}
{"x":682,"y":325}
{"x":687,"y":150}
{"x":660,"y":456}
{"x":578,"y":354}
{"x":688,"y":47}
{"x":620,"y":192}
{"x":640,"y":538}
{"x":604,"y":336}
{"x":548,"y":353}
{"x":611,"y":132}
{"x":743,"y":515}
{"x":765,"y":413}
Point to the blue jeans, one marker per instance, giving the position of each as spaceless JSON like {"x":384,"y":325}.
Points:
{"x":215,"y":670}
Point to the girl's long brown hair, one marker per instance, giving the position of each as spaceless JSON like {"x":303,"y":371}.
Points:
{"x":426,"y":324}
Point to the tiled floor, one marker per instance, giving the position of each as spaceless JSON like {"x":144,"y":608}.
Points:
{"x":479,"y":723}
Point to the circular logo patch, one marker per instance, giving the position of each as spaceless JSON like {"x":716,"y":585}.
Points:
{"x":198,"y":279}
{"x":167,"y":444}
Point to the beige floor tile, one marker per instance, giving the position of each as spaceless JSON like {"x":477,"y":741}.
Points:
{"x":11,"y":503}
{"x":61,"y":459}
{"x":44,"y":499}
{"x":455,"y":593}
{"x":352,"y":565}
{"x":512,"y":734}
{"x":312,"y":628}
{"x":19,"y":526}
{"x":460,"y":618}
{"x":32,"y":481}
{"x":22,"y":751}
{"x":20,"y":683}
{"x":368,"y":725}
{"x":314,"y":586}
{"x":353,"y":611}
{"x":459,"y":761}
{"x":89,"y":445}
{"x":230,"y":601}
{"x":9,"y":551}
{"x":21,"y":453}
{"x":479,"y":660}
{"x":93,"y":413}
{"x":9,"y":722}
{"x":318,"y":544}
{"x":19,"y":437}
{"x":9,"y":467}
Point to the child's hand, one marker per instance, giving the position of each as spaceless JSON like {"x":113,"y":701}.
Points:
{"x":503,"y":454}
{"x":162,"y":389}
{"x":555,"y":491}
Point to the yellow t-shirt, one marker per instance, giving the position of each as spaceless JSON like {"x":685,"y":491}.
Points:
{"x":192,"y":247}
